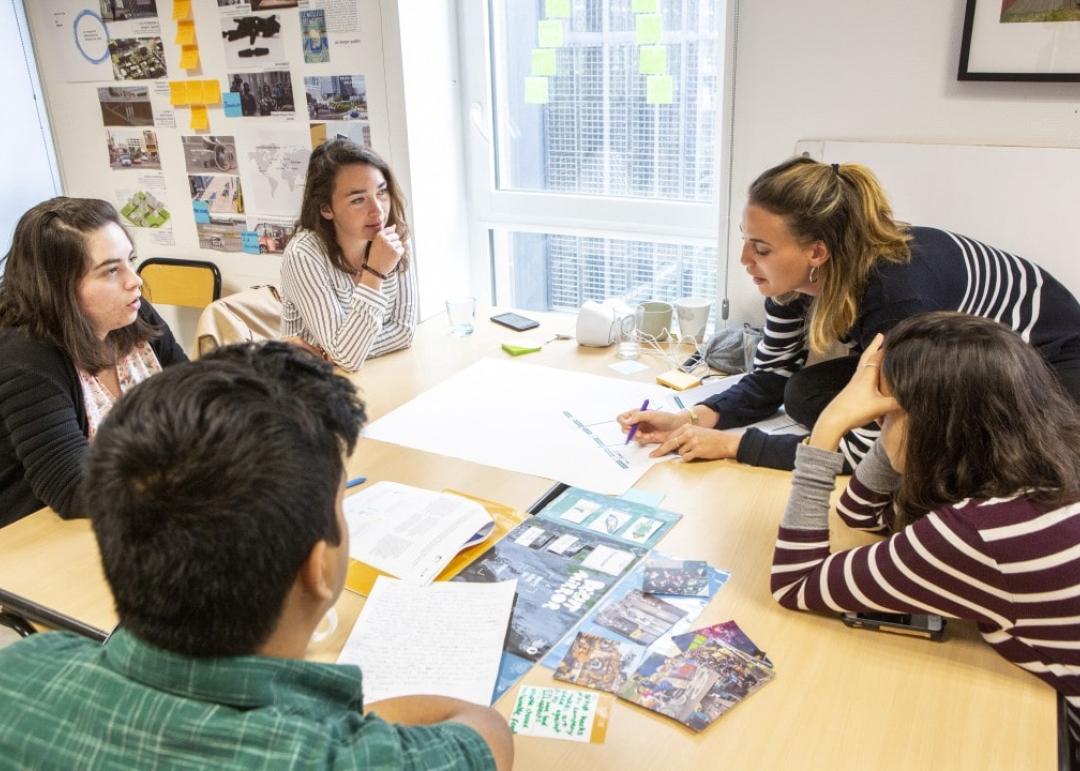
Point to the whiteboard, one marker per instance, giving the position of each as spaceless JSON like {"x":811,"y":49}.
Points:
{"x":1025,"y":200}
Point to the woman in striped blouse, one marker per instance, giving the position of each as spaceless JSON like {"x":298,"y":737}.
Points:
{"x":347,"y":278}
{"x":976,"y":482}
{"x":823,"y":248}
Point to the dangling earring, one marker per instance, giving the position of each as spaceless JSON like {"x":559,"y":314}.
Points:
{"x":813,"y":274}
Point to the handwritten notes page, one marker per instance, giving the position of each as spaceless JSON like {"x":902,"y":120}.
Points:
{"x":559,"y":713}
{"x":409,"y":532}
{"x":444,"y":639}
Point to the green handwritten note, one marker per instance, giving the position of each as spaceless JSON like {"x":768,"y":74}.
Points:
{"x":652,"y":60}
{"x":647,"y":28}
{"x":536,"y":90}
{"x":558,"y":713}
{"x":543,"y":61}
{"x":659,"y":89}
{"x":549,"y":33}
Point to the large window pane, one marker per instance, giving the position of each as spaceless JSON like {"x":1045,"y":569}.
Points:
{"x":559,"y":272}
{"x":597,"y":133}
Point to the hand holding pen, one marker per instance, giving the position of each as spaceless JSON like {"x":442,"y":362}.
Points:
{"x":634,"y":427}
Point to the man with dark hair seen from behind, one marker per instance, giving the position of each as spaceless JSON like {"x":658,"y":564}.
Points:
{"x":215,"y":490}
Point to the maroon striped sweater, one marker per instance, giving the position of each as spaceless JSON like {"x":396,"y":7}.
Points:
{"x":1009,"y":564}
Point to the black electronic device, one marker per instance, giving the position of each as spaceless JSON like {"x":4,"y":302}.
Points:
{"x":914,"y":624}
{"x":515,"y":322}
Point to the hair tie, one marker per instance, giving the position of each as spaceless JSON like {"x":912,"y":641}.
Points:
{"x":836,"y":169}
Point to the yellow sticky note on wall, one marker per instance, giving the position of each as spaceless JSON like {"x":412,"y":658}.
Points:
{"x":549,"y":33}
{"x":178,"y":93}
{"x":189,"y":57}
{"x":181,"y":9}
{"x":200,"y":119}
{"x":543,"y":61}
{"x":211,"y":91}
{"x":644,"y":6}
{"x":652,"y":60}
{"x":557,"y":9}
{"x":647,"y":29}
{"x":185,"y":33}
{"x":659,"y":89}
{"x":536,"y":90}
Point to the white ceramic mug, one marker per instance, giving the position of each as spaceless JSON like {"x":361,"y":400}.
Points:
{"x":655,"y":321}
{"x":693,"y":314}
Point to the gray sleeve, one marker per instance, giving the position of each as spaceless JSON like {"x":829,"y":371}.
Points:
{"x":811,"y":485}
{"x":876,"y":472}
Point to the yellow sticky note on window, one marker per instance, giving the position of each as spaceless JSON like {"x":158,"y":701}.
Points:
{"x":178,"y":93}
{"x":185,"y":33}
{"x":549,"y":33}
{"x":200,"y":119}
{"x":557,"y":9}
{"x":536,"y":90}
{"x":647,"y":29}
{"x":644,"y":6}
{"x":543,"y":61}
{"x":652,"y":60}
{"x":181,"y":9}
{"x":659,"y":89}
{"x":189,"y":57}
{"x":211,"y":91}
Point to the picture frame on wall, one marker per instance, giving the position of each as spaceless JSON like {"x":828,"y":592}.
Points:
{"x":1021,"y":40}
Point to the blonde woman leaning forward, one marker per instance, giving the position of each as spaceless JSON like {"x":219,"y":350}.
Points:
{"x":821,"y":244}
{"x":348,"y":283}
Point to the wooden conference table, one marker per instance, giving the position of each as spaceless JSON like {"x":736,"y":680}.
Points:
{"x":842,"y":698}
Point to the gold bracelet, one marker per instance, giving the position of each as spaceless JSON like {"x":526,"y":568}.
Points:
{"x":693,"y":416}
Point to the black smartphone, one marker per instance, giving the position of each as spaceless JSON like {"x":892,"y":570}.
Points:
{"x":915,"y":624}
{"x":514,"y":321}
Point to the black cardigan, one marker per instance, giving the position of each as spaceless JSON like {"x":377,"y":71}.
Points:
{"x":43,"y":424}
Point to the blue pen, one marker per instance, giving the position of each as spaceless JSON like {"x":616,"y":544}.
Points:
{"x":355,"y":481}
{"x":633,"y":428}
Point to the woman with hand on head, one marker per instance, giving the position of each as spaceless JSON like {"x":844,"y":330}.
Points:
{"x":975,"y":481}
{"x":822,"y":246}
{"x":74,"y":335}
{"x":347,"y":279}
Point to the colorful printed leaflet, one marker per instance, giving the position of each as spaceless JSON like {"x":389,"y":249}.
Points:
{"x":684,"y":578}
{"x":696,"y":687}
{"x":597,"y":662}
{"x":640,"y":617}
{"x":562,"y":570}
{"x":624,"y":520}
{"x":727,"y":632}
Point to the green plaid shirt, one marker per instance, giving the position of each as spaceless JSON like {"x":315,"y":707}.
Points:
{"x":66,"y":702}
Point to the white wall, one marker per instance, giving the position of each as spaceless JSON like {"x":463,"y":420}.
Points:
{"x":882,"y":70}
{"x":25,"y":141}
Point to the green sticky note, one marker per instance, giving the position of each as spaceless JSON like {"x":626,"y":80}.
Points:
{"x":557,"y":9}
{"x":644,"y":6}
{"x":652,"y":60}
{"x":659,"y":89}
{"x":647,"y":30}
{"x":536,"y":91}
{"x":549,"y":33}
{"x":517,"y":350}
{"x":543,"y":61}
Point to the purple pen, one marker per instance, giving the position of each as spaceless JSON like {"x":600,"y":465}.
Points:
{"x":633,"y":428}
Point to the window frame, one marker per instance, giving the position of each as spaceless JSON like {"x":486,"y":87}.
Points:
{"x":494,"y":211}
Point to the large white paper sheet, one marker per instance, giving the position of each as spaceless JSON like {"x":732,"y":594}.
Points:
{"x":536,"y":420}
{"x":444,"y":639}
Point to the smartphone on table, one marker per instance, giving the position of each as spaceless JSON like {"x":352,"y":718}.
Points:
{"x":915,"y":624}
{"x":515,"y":322}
